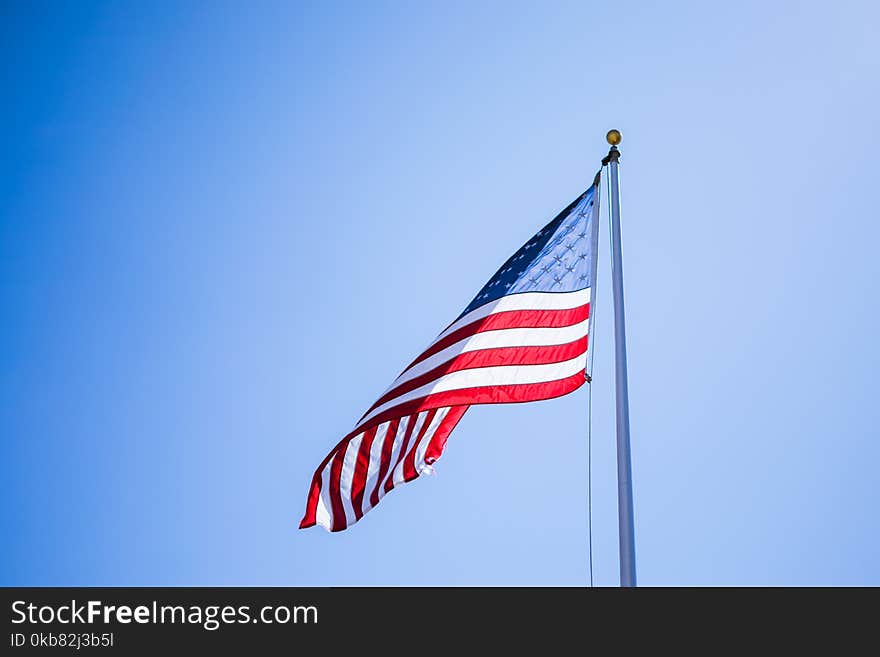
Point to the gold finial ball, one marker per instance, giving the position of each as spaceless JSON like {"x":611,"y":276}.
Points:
{"x":613,"y":137}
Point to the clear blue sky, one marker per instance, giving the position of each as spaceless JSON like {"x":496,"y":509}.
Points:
{"x":225,"y":228}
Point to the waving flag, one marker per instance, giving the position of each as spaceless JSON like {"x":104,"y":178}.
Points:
{"x":523,"y":338}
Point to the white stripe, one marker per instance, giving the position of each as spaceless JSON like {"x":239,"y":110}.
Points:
{"x":514,"y":337}
{"x":522,"y":301}
{"x":346,"y":477}
{"x":500,"y":375}
{"x":323,"y":515}
{"x":420,"y":465}
{"x":397,"y":473}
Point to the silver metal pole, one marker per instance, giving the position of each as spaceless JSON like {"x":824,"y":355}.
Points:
{"x":624,"y":462}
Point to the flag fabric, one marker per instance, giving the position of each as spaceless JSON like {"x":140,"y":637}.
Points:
{"x":523,"y":338}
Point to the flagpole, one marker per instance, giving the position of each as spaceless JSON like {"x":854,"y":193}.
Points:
{"x":624,"y":462}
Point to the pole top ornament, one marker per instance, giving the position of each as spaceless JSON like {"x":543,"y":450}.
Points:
{"x":613,"y":137}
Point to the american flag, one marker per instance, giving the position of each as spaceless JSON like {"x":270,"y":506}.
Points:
{"x":523,"y":338}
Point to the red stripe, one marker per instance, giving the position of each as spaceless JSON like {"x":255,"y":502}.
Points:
{"x":359,"y":480}
{"x":339,"y":522}
{"x":385,"y":462}
{"x":411,"y":425}
{"x":503,"y":394}
{"x":308,"y":520}
{"x":438,"y":440}
{"x":409,"y":470}
{"x":542,"y":355}
{"x":506,"y":320}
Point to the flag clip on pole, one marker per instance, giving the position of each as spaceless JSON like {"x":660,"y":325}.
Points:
{"x":624,"y":462}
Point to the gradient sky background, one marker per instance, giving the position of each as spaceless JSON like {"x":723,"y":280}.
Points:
{"x":225,"y":227}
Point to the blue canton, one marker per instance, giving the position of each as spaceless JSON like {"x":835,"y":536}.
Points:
{"x":557,"y":259}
